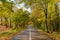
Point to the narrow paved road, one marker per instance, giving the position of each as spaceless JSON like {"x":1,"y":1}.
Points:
{"x":30,"y":34}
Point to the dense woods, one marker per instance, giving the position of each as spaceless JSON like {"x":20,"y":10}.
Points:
{"x":43,"y":14}
{"x":12,"y":19}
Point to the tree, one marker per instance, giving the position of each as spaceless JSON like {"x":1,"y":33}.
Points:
{"x":20,"y":17}
{"x":46,"y":7}
{"x":7,"y":6}
{"x":57,"y":18}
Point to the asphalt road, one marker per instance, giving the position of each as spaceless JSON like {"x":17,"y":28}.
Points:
{"x":30,"y":34}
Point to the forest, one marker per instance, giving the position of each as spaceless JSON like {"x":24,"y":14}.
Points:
{"x":44,"y":15}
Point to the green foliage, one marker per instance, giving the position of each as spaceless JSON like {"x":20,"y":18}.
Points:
{"x":46,"y":12}
{"x":20,"y":17}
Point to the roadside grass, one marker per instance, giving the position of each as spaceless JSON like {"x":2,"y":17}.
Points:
{"x":8,"y":33}
{"x":54,"y":35}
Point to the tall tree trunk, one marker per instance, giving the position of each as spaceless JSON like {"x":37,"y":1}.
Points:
{"x":6,"y":20}
{"x":1,"y":21}
{"x":10,"y":25}
{"x":45,"y":11}
{"x":46,"y":21}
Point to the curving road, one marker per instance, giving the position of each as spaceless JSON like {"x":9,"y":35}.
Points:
{"x":31,"y":34}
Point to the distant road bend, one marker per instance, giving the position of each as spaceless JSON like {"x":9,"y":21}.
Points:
{"x":30,"y":34}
